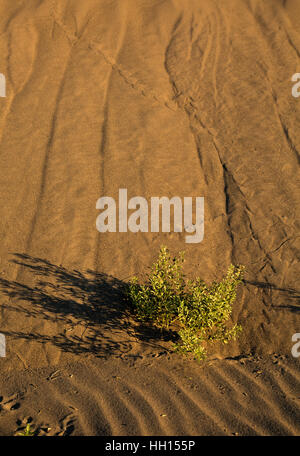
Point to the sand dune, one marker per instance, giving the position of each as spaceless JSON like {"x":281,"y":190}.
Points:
{"x":164,"y":98}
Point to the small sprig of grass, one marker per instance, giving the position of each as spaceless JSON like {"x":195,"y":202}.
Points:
{"x":28,"y":431}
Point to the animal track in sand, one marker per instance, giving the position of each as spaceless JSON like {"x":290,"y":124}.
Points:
{"x":10,"y":403}
{"x":67,"y":425}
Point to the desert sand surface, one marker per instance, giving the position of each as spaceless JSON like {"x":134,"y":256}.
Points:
{"x":163,"y":98}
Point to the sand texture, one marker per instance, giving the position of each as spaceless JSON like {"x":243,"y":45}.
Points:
{"x":163,"y":98}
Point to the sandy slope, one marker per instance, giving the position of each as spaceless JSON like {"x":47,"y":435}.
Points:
{"x":164,"y":98}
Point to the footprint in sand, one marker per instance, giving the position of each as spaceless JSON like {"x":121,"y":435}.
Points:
{"x":10,"y":403}
{"x":67,"y":425}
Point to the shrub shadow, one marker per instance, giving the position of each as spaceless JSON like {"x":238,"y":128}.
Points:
{"x":93,"y":301}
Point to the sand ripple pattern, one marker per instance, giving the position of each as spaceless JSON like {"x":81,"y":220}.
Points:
{"x":159,"y":397}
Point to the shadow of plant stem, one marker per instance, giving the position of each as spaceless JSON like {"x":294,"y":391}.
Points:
{"x":93,"y":301}
{"x":289,"y":294}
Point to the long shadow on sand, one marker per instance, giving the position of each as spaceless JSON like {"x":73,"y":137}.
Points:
{"x":90,"y":309}
{"x":290,"y":295}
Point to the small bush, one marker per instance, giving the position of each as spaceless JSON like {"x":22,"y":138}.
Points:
{"x":201,"y":311}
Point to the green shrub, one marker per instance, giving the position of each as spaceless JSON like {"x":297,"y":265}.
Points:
{"x":200,"y":311}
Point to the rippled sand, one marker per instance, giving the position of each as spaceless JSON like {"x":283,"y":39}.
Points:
{"x":164,"y":98}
